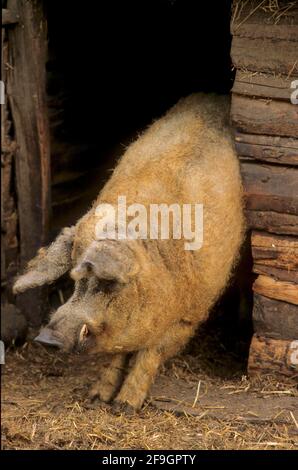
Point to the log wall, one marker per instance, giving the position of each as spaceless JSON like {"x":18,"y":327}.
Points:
{"x":265,"y":55}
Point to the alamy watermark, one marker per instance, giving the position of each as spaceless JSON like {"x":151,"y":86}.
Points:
{"x":293,"y":350}
{"x":2,"y":353}
{"x":155,"y":221}
{"x":2,"y":92}
{"x":294,"y":94}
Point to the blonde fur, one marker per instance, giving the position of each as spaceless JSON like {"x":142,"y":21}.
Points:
{"x":185,"y":157}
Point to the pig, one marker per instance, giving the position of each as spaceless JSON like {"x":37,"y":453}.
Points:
{"x":141,"y":300}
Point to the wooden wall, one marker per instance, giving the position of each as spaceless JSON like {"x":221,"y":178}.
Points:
{"x":26,"y":151}
{"x":265,"y":54}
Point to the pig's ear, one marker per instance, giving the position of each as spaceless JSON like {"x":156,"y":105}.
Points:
{"x":49,"y":264}
{"x":109,"y":260}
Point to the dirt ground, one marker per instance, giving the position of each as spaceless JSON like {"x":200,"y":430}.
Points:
{"x":201,"y":400}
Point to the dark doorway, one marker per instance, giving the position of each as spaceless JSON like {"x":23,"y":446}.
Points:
{"x":113,"y":67}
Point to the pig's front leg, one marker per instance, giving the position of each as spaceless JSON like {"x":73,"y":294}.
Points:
{"x":110,"y":380}
{"x":137,"y":383}
{"x":147,"y":361}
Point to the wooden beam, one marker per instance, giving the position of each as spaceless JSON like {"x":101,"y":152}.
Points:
{"x":283,"y":32}
{"x":270,"y":149}
{"x":26,"y":90}
{"x":274,"y":318}
{"x":258,"y":116}
{"x":265,"y":55}
{"x":268,"y":187}
{"x":276,"y":273}
{"x":262,"y":85}
{"x":273,"y":356}
{"x":273,"y":222}
{"x":279,"y":290}
{"x":275,"y":251}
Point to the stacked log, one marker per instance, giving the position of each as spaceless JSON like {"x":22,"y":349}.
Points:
{"x":265,"y":55}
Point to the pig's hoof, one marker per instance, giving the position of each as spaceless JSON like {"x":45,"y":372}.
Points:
{"x":98,"y":392}
{"x":120,"y":407}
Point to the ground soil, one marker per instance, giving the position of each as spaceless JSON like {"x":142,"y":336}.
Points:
{"x":201,"y":400}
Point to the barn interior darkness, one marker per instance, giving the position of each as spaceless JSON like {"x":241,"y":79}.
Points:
{"x":112,"y":68}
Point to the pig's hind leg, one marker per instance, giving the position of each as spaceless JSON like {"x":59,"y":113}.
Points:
{"x":147,"y":361}
{"x":110,"y":381}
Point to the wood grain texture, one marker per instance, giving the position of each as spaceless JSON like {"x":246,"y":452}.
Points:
{"x":276,"y":273}
{"x":259,"y":116}
{"x":270,"y":149}
{"x":26,"y":87}
{"x":270,"y":188}
{"x":273,"y":356}
{"x":272,"y":221}
{"x":262,"y":85}
{"x":265,"y":55}
{"x":275,"y":251}
{"x":274,"y":318}
{"x":254,"y":30}
{"x":274,"y":289}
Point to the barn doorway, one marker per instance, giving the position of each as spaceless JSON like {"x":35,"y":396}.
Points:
{"x":112,"y":71}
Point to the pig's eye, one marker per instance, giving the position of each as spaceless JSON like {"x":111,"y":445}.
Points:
{"x":105,"y":286}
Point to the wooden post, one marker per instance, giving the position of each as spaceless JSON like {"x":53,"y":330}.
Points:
{"x":26,"y":88}
{"x":273,"y":356}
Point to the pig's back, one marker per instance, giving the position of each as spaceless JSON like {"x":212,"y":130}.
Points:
{"x":188,"y":157}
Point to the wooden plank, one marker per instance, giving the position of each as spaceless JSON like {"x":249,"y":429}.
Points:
{"x":265,"y":55}
{"x":279,"y":290}
{"x":273,"y":356}
{"x":9,"y":219}
{"x":26,"y":89}
{"x":270,"y":188}
{"x":276,"y":251}
{"x":272,"y":222}
{"x":275,"y":141}
{"x":9,"y":17}
{"x":279,"y":274}
{"x":275,"y":319}
{"x":262,"y":85}
{"x":257,"y":116}
{"x":281,"y":150}
{"x":276,"y":32}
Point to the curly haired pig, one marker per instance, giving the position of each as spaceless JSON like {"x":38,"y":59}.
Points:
{"x":144,"y":299}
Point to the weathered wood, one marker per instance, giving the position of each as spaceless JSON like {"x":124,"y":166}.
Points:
{"x":272,"y":222}
{"x":262,"y":85}
{"x":9,"y":220}
{"x":275,"y":319}
{"x":279,"y":290}
{"x":281,"y":150}
{"x":276,"y":251}
{"x":279,"y":274}
{"x":9,"y":17}
{"x":270,"y":188}
{"x":273,"y":356}
{"x":27,"y":96}
{"x":250,"y":30}
{"x":265,"y":55}
{"x":258,"y":116}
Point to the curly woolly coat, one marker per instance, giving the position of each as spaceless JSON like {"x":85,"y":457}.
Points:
{"x":146,"y":298}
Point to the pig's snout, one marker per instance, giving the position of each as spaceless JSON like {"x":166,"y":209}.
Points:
{"x":48,"y":337}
